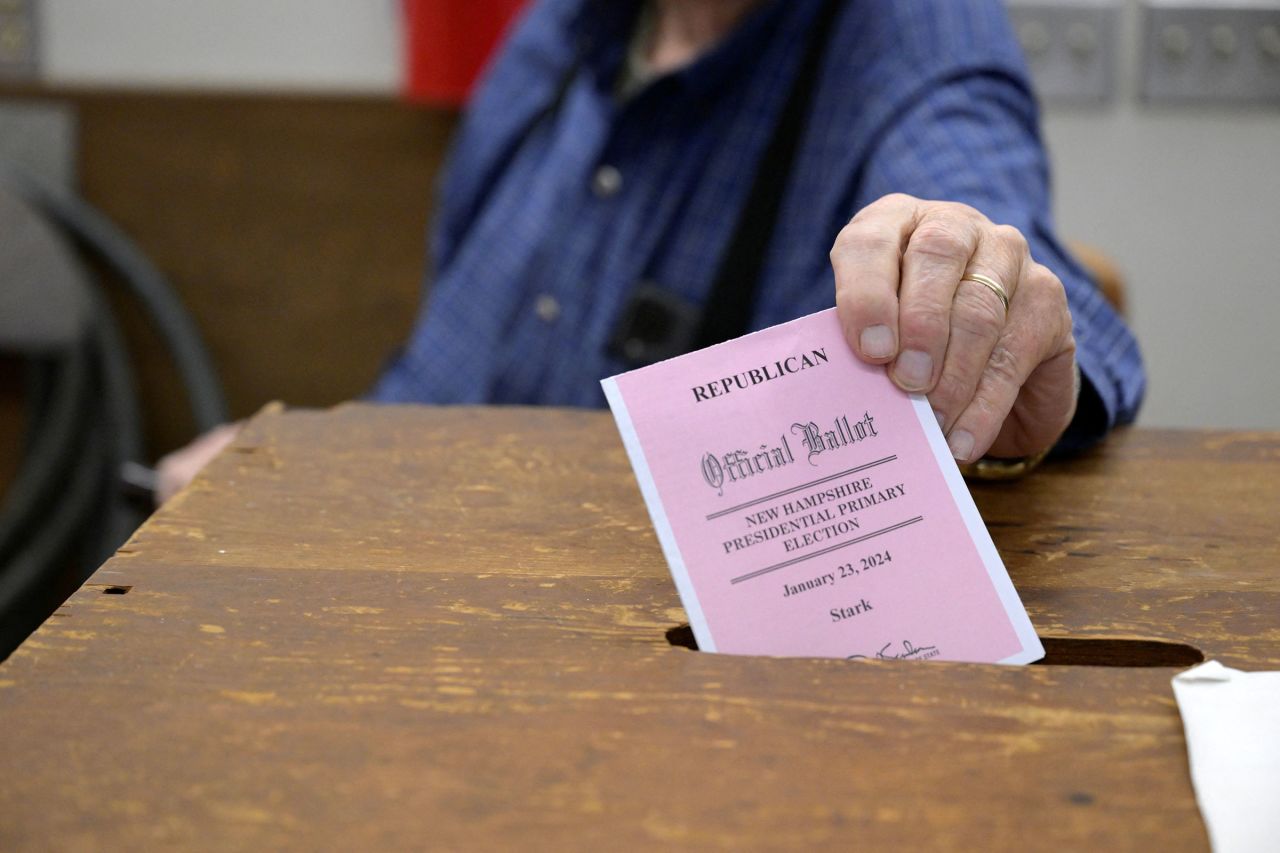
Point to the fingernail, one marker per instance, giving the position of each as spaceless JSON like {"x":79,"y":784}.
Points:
{"x":942,"y":420}
{"x":961,"y":444}
{"x":913,"y":369}
{"x":876,"y":342}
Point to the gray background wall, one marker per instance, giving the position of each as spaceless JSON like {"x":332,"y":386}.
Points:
{"x":1185,"y":199}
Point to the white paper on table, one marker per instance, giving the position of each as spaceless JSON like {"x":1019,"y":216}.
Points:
{"x":1232,"y":722}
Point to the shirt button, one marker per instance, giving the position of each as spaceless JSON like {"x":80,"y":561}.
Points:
{"x":547,"y":307}
{"x":606,"y":182}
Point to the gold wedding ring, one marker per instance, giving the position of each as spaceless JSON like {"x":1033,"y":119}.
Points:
{"x":992,"y":285}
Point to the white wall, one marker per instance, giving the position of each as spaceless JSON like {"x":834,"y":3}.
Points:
{"x":330,"y":45}
{"x":1187,"y":200}
{"x":1188,"y":203}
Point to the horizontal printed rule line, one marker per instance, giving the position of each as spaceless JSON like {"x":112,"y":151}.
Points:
{"x":799,"y":488}
{"x":863,"y":538}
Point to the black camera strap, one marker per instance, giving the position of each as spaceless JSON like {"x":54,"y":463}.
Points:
{"x":728,"y":310}
{"x":656,"y":323}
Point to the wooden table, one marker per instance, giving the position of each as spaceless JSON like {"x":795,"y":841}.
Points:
{"x":407,"y":628}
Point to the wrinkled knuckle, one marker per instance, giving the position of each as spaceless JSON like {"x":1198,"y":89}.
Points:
{"x":1004,"y":367}
{"x":984,"y":412}
{"x":941,"y":241}
{"x":1049,"y":292}
{"x":1011,"y":239}
{"x":1046,"y":281}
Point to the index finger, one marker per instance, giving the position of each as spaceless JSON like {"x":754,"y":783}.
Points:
{"x":867,"y":261}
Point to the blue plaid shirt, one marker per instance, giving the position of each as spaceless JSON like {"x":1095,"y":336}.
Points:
{"x":559,"y":198}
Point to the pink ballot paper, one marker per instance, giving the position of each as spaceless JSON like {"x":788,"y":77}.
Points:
{"x":808,"y":507}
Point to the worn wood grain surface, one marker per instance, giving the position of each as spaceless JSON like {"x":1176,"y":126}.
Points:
{"x":414,"y":628}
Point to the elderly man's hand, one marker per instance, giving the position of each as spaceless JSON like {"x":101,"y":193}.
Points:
{"x":999,"y":385}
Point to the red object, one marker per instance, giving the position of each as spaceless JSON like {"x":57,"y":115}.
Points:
{"x":447,"y":43}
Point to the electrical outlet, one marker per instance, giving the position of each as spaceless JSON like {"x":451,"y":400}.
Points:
{"x":1070,"y":47}
{"x":18,"y":44}
{"x":1225,"y":51}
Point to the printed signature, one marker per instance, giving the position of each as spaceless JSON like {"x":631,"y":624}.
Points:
{"x":909,"y":651}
